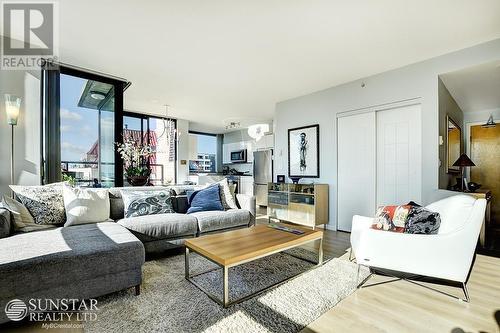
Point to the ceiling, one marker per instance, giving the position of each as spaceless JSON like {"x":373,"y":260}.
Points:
{"x":214,"y":60}
{"x":475,"y":88}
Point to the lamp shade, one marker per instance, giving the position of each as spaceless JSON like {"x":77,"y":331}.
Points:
{"x":463,"y":161}
{"x":12,"y":106}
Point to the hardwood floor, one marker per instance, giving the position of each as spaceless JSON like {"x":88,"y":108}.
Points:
{"x":404,"y":307}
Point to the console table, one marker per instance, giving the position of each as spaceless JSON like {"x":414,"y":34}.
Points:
{"x":304,"y":204}
{"x":484,"y":194}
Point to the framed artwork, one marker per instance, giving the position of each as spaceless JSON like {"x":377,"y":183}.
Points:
{"x":303,"y":152}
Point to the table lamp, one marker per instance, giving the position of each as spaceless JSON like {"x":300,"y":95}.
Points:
{"x":463,"y":162}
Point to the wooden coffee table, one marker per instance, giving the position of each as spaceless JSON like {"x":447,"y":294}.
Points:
{"x":233,"y":248}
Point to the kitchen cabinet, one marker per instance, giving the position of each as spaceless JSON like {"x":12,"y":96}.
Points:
{"x":246,"y":185}
{"x":227,"y":148}
{"x":267,"y":142}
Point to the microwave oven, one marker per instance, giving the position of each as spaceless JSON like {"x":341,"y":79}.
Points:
{"x":239,"y":156}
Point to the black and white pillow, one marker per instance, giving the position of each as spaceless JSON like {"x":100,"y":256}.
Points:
{"x":422,"y":221}
{"x":45,"y":203}
{"x":148,"y":202}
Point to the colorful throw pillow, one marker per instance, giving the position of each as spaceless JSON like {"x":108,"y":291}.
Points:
{"x":45,"y":203}
{"x":391,"y":218}
{"x":147,"y":202}
{"x":422,"y":221}
{"x":207,"y":199}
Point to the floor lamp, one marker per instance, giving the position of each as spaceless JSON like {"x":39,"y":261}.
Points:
{"x":12,"y":106}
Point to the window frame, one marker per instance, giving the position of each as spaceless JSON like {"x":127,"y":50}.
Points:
{"x":50,"y":105}
{"x":216,"y":151}
{"x":147,"y":117}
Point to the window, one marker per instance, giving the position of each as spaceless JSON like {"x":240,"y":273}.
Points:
{"x":202,"y":153}
{"x":87,"y":127}
{"x":159,"y":133}
{"x":81,"y":112}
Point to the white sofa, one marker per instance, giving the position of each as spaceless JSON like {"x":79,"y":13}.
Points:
{"x":447,"y":255}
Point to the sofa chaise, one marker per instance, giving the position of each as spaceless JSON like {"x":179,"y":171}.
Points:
{"x":91,"y":260}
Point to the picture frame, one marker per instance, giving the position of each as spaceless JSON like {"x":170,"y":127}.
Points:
{"x":454,"y":145}
{"x":303,"y":152}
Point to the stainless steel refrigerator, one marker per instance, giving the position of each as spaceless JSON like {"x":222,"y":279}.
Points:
{"x":262,"y":174}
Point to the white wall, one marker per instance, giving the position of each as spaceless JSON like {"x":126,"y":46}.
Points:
{"x":26,"y":134}
{"x":417,"y":80}
{"x":183,"y":151}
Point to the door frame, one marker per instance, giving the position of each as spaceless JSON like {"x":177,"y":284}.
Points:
{"x":50,"y":93}
{"x":468,"y":139}
{"x":375,"y":108}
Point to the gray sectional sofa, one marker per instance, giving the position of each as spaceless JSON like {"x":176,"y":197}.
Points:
{"x":90,"y":260}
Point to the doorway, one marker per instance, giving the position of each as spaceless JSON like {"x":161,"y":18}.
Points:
{"x":485,"y":152}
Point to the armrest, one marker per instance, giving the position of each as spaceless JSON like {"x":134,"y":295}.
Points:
{"x":247,"y":202}
{"x":361,"y":222}
{"x":359,"y":225}
{"x":5,"y":223}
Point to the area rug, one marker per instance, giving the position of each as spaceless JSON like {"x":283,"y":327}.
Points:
{"x":169,"y":303}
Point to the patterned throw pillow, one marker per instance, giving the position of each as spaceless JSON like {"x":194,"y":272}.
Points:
{"x":422,"y":221}
{"x":391,"y":218}
{"x":227,"y":198}
{"x":45,"y":203}
{"x":147,"y":202}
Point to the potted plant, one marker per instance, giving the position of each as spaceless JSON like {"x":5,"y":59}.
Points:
{"x":135,"y":157}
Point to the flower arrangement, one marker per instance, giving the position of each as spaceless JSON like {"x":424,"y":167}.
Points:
{"x":135,"y":156}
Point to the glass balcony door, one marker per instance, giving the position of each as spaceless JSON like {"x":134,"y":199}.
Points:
{"x":87,"y":115}
{"x":160,"y":133}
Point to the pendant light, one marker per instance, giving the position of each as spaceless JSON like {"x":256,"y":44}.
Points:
{"x":490,"y":123}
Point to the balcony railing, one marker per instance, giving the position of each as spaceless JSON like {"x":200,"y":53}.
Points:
{"x":157,"y":176}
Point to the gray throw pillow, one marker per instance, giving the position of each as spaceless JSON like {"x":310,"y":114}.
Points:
{"x":140,"y":203}
{"x":45,"y":203}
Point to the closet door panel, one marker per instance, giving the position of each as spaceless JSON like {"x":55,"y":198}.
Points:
{"x":398,"y":155}
{"x":356,"y":168}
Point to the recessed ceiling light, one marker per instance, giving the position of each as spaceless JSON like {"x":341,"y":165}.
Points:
{"x":97,"y":95}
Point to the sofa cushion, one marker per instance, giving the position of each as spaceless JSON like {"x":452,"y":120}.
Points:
{"x":46,"y":259}
{"x":85,"y":205}
{"x":45,"y":203}
{"x":162,"y":226}
{"x":5,"y":225}
{"x":217,"y":220}
{"x":140,"y":203}
{"x":391,"y":218}
{"x":180,"y":204}
{"x":422,"y":221}
{"x":20,"y":214}
{"x":207,"y":199}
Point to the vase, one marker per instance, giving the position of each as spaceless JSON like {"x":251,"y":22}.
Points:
{"x":137,"y":180}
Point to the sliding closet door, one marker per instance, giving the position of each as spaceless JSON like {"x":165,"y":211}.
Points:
{"x":398,"y":155}
{"x":356,"y":167}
